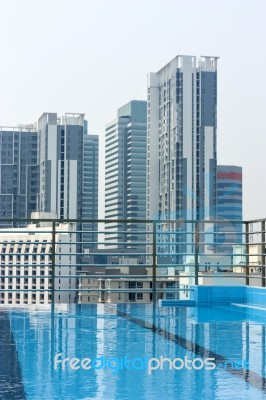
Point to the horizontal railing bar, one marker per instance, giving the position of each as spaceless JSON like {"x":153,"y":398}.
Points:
{"x":122,"y":290}
{"x":167,"y":278}
{"x":127,"y":277}
{"x":135,"y":220}
{"x":78,"y":265}
{"x":129,"y":243}
{"x":117,"y":233}
{"x":11,"y":242}
{"x":28,"y":276}
{"x":30,"y":232}
{"x":130,"y":254}
{"x":27,"y":290}
{"x":193,"y":244}
{"x":173,"y":265}
{"x":29,"y":254}
{"x":25,"y":264}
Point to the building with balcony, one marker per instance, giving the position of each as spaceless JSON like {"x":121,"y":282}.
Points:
{"x":125,"y":290}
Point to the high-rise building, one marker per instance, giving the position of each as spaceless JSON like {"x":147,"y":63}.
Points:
{"x":182,"y":99}
{"x":229,"y":207}
{"x":125,"y":172}
{"x":61,"y":164}
{"x":19,"y":173}
{"x":90,"y":188}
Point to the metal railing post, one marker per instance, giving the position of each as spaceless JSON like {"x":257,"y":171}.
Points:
{"x":53,"y":264}
{"x":263,"y":258}
{"x":196,"y":253}
{"x":247,"y":252}
{"x":154,"y":265}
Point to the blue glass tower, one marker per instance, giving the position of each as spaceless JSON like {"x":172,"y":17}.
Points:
{"x":229,"y":206}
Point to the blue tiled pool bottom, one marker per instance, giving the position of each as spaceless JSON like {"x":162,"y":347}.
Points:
{"x":228,"y":332}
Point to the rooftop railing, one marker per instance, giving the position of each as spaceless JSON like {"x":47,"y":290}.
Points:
{"x":125,"y":261}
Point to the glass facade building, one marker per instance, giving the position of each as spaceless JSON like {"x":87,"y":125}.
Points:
{"x":125,"y":171}
{"x":229,"y":206}
{"x":90,"y":188}
{"x":182,"y":108}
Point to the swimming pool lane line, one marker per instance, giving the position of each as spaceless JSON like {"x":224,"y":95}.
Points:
{"x":248,"y":376}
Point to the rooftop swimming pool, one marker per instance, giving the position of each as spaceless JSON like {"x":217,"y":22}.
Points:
{"x":129,"y":352}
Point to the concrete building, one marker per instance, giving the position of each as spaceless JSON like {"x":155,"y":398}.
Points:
{"x":181,"y":143}
{"x":68,"y":158}
{"x":26,"y":258}
{"x":61,"y":164}
{"x":125,"y":173}
{"x":104,"y":289}
{"x":229,"y":207}
{"x":19,"y":173}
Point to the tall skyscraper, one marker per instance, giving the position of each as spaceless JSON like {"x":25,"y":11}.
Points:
{"x":69,"y":171}
{"x":182,"y":99}
{"x":125,"y":171}
{"x":90,"y":188}
{"x":61,"y":164}
{"x":229,"y":206}
{"x":19,"y":173}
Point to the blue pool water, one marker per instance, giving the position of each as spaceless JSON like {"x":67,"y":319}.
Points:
{"x":31,"y":338}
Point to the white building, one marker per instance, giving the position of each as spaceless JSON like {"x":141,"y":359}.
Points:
{"x":26,"y":264}
{"x":116,"y":290}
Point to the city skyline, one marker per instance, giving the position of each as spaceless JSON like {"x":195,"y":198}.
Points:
{"x":32,"y":83}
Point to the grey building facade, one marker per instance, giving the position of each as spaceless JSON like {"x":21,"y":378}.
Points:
{"x":61,"y":164}
{"x":68,"y":158}
{"x":19,"y":173}
{"x":182,"y":156}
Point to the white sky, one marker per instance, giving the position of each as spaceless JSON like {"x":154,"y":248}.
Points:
{"x":92,"y":56}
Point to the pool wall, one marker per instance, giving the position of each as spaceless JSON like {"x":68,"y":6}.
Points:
{"x":215,"y":295}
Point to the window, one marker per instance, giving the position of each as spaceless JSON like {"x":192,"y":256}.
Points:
{"x":139,"y":296}
{"x":132,"y":296}
{"x":170,"y":284}
{"x":170,"y":295}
